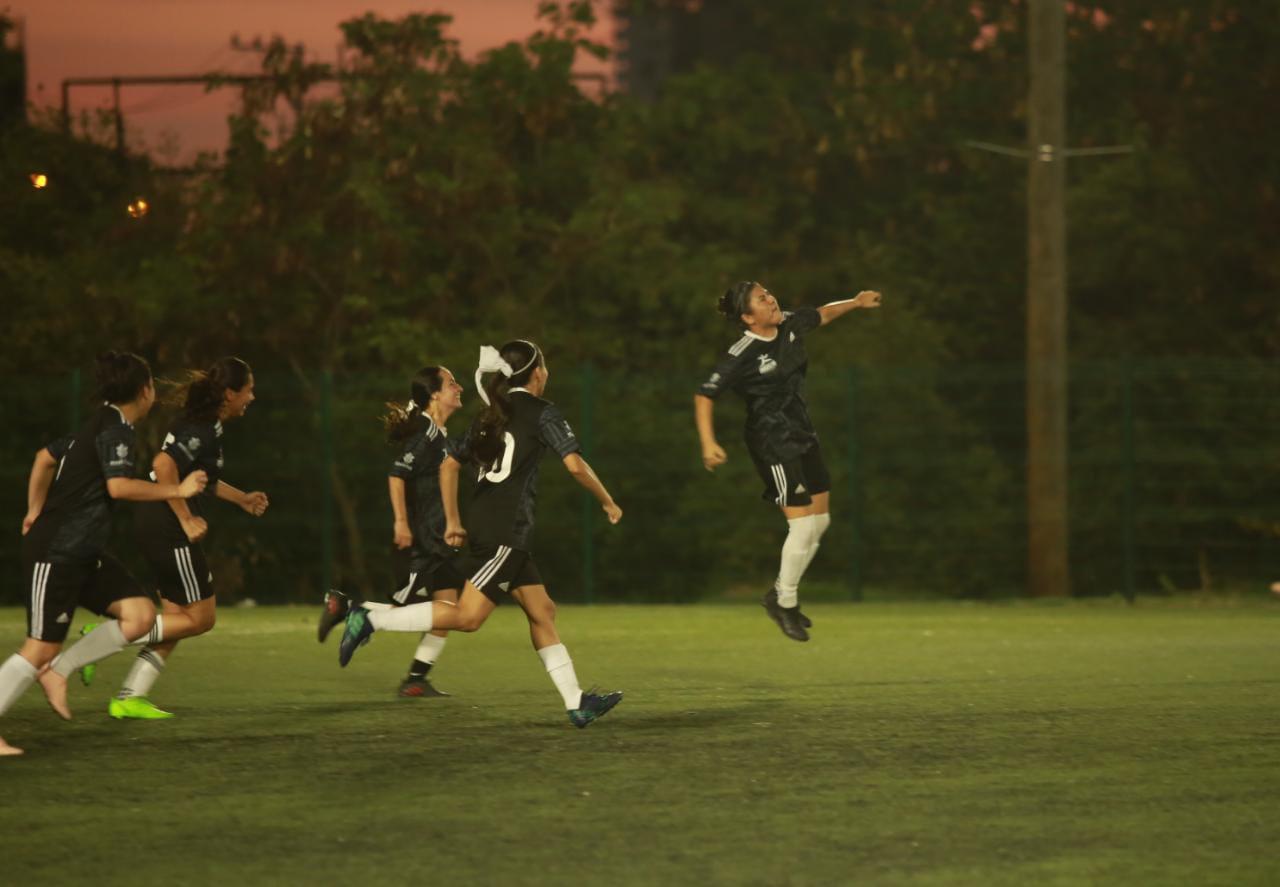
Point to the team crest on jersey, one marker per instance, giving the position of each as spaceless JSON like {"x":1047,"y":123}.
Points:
{"x":767,"y":364}
{"x":715,"y":378}
{"x":122,"y":454}
{"x":219,"y":461}
{"x":193,"y":445}
{"x":408,"y":458}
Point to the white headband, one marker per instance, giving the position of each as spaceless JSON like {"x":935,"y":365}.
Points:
{"x":490,"y":362}
{"x":411,"y":405}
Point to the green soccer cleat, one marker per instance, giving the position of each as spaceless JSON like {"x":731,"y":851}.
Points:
{"x":593,"y":706}
{"x":87,"y":673}
{"x":137,"y":708}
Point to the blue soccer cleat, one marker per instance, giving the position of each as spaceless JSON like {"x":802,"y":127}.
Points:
{"x":355,"y":634}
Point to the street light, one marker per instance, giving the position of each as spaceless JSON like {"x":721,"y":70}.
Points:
{"x":138,"y":208}
{"x":39,"y":180}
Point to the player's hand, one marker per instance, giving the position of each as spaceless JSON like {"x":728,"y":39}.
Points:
{"x":713,"y":456}
{"x":195,"y":528}
{"x":867,"y":299}
{"x":455,"y":536}
{"x":28,"y":521}
{"x":401,"y":536}
{"x":193,"y":484}
{"x":613,"y":512}
{"x":255,"y":503}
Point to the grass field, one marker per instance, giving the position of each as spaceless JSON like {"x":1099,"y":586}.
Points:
{"x":924,"y":743}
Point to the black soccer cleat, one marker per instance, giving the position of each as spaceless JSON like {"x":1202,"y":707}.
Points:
{"x":336,"y":607}
{"x":787,"y":618}
{"x":418,"y":688}
{"x":804,"y":620}
{"x":593,"y":706}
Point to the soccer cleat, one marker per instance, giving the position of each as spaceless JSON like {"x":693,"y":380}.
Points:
{"x":138,"y":708}
{"x":88,"y":671}
{"x":355,"y":634}
{"x":593,"y":706}
{"x":787,"y":618}
{"x":336,"y":607}
{"x":418,"y":688}
{"x":804,"y":620}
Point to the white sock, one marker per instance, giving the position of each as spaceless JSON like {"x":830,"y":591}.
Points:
{"x":16,"y":675}
{"x":415,"y":617}
{"x":795,"y":557}
{"x":558,"y":664}
{"x":430,"y":648}
{"x":142,"y":677}
{"x":820,"y":524}
{"x":154,"y":636}
{"x":374,"y":606}
{"x":105,"y":640}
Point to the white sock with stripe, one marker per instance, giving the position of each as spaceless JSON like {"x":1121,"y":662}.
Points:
{"x":415,"y":617}
{"x":153,"y":637}
{"x":105,"y":640}
{"x":16,"y":675}
{"x":795,"y":557}
{"x":558,"y":664}
{"x":142,"y":677}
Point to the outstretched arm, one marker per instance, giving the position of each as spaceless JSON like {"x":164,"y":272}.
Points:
{"x":713,"y":455}
{"x":583,"y":474}
{"x":42,"y":471}
{"x":864,"y":299}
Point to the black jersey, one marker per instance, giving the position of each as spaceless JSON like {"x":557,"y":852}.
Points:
{"x":75,"y":523}
{"x":502,"y":506}
{"x":769,"y":374}
{"x":418,"y":465}
{"x":193,"y":446}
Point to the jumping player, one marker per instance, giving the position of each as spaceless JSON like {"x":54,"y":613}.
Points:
{"x":423,"y":563}
{"x":505,"y":443}
{"x":169,"y":533}
{"x":74,"y":484}
{"x":767,"y":366}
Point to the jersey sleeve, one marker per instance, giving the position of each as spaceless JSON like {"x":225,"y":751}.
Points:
{"x":58,"y":448}
{"x":459,"y":448}
{"x":185,"y":445}
{"x":554,"y":431}
{"x":802,"y":320}
{"x":117,"y":452}
{"x":723,"y":377}
{"x":411,"y":460}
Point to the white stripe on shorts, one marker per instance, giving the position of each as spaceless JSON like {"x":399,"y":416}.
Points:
{"x":402,"y":596}
{"x":39,"y":587}
{"x":780,"y":481}
{"x":490,"y":569}
{"x":189,"y":583}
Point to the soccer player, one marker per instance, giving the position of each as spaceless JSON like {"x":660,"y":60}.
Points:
{"x":73,"y":487}
{"x":423,"y":563}
{"x":505,"y":443}
{"x":767,"y":366}
{"x":169,"y":533}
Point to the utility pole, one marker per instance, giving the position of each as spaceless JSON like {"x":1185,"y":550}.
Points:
{"x":1048,"y":566}
{"x":1049,"y":571}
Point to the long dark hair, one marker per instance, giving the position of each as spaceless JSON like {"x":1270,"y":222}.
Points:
{"x":404,"y":420}
{"x":121,"y":376}
{"x":202,"y":394}
{"x":736,"y":301}
{"x":487,"y":439}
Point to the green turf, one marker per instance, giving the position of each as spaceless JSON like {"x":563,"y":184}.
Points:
{"x":927,"y":743}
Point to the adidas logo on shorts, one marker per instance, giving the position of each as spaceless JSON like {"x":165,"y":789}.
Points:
{"x":800,"y":489}
{"x":63,"y":619}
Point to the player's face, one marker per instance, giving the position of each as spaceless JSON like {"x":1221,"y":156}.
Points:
{"x":238,"y":401}
{"x":450,"y":393}
{"x":762,"y":308}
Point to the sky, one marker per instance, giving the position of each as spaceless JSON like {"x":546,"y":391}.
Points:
{"x":100,"y":38}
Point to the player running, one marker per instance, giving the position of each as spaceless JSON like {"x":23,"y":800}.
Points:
{"x":71,"y":494}
{"x":506,"y":443}
{"x":767,"y":366}
{"x":423,"y":563}
{"x":170,"y":533}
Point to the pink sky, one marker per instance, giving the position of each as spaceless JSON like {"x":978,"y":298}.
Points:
{"x":92,"y":38}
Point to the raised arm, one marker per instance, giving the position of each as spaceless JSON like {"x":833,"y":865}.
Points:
{"x":454,"y":534}
{"x":582,"y":473}
{"x":864,"y":299}
{"x":43,"y":469}
{"x":402,"y":536}
{"x":713,"y":455}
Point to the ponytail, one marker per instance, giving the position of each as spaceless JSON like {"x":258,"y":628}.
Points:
{"x":402,"y":421}
{"x":736,"y":301}
{"x":202,"y":394}
{"x":512,"y":365}
{"x":121,"y":376}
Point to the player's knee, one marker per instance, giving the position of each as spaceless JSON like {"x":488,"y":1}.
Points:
{"x":468,"y":621}
{"x":205,"y":621}
{"x":137,"y":620}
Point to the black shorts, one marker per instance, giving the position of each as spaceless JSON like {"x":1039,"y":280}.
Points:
{"x":497,"y":569}
{"x":55,"y":590}
{"x":181,"y":571}
{"x":418,"y":579}
{"x":793,"y":483}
